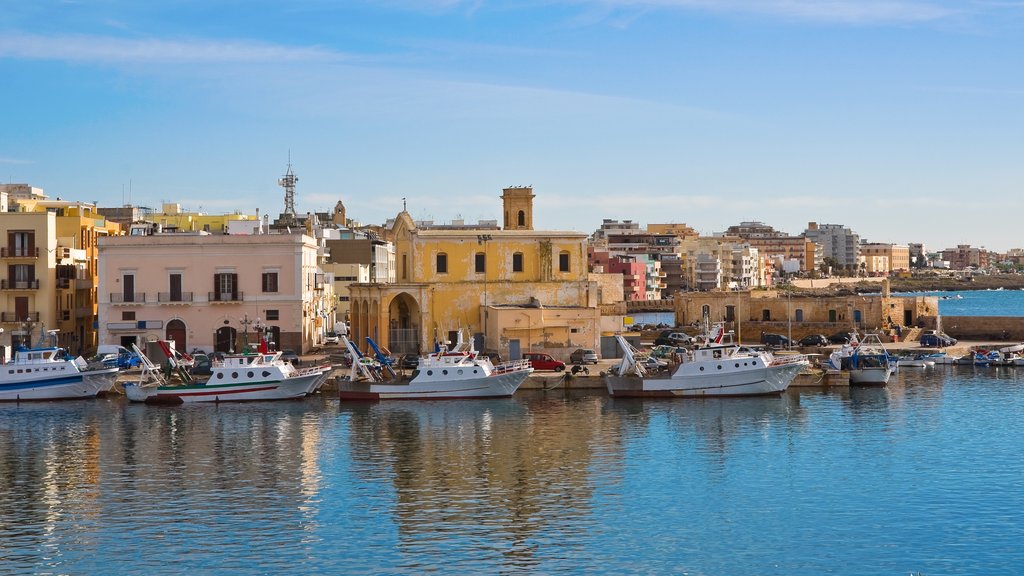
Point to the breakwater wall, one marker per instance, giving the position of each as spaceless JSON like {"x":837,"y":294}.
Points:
{"x":1002,"y":328}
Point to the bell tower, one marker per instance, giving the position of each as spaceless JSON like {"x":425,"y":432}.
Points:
{"x":518,"y":204}
{"x":339,"y":218}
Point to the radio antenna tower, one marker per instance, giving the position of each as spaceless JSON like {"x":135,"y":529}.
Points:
{"x":288,"y":183}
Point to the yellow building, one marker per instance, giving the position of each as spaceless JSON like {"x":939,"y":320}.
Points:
{"x":882,"y":259}
{"x":51,"y":258}
{"x":511,"y":289}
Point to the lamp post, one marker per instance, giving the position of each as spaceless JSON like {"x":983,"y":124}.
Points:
{"x":245,"y":322}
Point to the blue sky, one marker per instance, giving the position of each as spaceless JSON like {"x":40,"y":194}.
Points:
{"x":903,"y":119}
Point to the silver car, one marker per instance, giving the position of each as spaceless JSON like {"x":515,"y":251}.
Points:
{"x":583,"y":356}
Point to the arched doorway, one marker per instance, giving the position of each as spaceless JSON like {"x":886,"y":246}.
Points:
{"x":404,"y":329}
{"x":224,"y":340}
{"x":176,"y":333}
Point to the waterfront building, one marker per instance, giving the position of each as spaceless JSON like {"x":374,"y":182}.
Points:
{"x":882,"y":259}
{"x":752,"y":312}
{"x":839,"y":243}
{"x":512,"y":289}
{"x":718,"y":262}
{"x":356,"y":257}
{"x":965,"y":256}
{"x":633,"y":272}
{"x":212,"y":291}
{"x":51,"y":259}
{"x":788,"y":254}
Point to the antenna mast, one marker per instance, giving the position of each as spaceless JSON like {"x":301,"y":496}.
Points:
{"x":288,"y":183}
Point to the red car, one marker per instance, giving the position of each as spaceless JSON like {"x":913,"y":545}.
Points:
{"x":542,"y":361}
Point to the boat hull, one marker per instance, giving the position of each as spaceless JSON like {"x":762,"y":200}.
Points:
{"x":493,"y":386}
{"x":769,"y":380}
{"x":88,"y":384}
{"x":295,"y":387}
{"x":875,"y":376}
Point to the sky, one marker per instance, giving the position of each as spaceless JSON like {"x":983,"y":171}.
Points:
{"x":902,"y":119}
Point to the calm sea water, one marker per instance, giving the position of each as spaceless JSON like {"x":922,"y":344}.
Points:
{"x":979,"y":302}
{"x":926,"y":475}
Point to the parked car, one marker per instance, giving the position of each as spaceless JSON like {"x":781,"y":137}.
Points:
{"x":583,"y":356}
{"x":775,"y":340}
{"x":936,"y":339}
{"x":409,"y":361}
{"x":201,"y":365}
{"x":124,"y":360}
{"x":542,"y":361}
{"x":673,"y":338}
{"x":814,"y":340}
{"x":331,"y":338}
{"x":842,"y":337}
{"x":291,"y":356}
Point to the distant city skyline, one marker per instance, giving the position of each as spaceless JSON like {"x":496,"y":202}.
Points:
{"x":899,"y":119}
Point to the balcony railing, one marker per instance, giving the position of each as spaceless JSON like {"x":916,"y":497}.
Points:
{"x":9,"y":252}
{"x":19,"y":284}
{"x":173,"y":297}
{"x":130,"y":298}
{"x":14,"y":317}
{"x":63,"y":283}
{"x":225,"y":297}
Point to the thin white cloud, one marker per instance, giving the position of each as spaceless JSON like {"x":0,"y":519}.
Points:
{"x":153,"y":50}
{"x":14,"y":161}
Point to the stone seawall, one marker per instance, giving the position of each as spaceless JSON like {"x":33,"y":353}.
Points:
{"x":1001,"y":328}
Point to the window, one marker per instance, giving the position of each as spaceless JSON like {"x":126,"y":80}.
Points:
{"x":563,"y":262}
{"x":799,"y":315}
{"x":128,"y":287}
{"x":270,"y":281}
{"x":522,"y":218}
{"x":481,"y":263}
{"x":405,"y":266}
{"x":175,"y":280}
{"x":517,"y":262}
{"x":766,"y":315}
{"x":273,"y":315}
{"x":730,"y":313}
{"x":442,"y":263}
{"x":225,"y":286}
{"x":128,"y":315}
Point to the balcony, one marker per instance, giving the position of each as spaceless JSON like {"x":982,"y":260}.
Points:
{"x":130,"y":298}
{"x":84,"y":284}
{"x":19,"y":284}
{"x":174,"y":297}
{"x":14,"y":317}
{"x":225,"y":297}
{"x":63,"y":283}
{"x":9,"y":252}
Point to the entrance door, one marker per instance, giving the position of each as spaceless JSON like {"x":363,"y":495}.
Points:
{"x":21,"y":308}
{"x":514,"y":352}
{"x":908,"y":317}
{"x":176,"y":333}
{"x":832,"y":316}
{"x":224,"y":340}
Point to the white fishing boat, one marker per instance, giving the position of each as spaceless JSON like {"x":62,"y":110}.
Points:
{"x":50,"y":374}
{"x":711,"y":370}
{"x":446,"y":374}
{"x":241,"y":377}
{"x":867,"y":361}
{"x":917,"y":361}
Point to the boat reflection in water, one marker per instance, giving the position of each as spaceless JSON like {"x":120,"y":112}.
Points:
{"x":510,"y":475}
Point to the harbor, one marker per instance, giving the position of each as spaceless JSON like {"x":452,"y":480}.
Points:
{"x":543,"y":482}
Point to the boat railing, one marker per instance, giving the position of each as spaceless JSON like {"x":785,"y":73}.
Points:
{"x":511,"y":366}
{"x":784,"y":359}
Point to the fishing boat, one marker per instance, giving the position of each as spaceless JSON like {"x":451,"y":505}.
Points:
{"x":459,"y":372}
{"x":239,"y":377}
{"x":51,"y":374}
{"x":917,"y":361}
{"x":716,"y":368}
{"x":867,"y":361}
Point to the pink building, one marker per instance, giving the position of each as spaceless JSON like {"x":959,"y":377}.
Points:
{"x":634,"y":274}
{"x":212,"y":292}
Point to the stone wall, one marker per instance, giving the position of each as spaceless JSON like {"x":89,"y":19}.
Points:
{"x":1002,"y":328}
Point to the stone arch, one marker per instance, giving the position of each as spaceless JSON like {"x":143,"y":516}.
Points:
{"x":404,"y":321}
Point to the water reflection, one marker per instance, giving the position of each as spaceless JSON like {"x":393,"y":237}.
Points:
{"x":74,"y":475}
{"x":508,"y":477}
